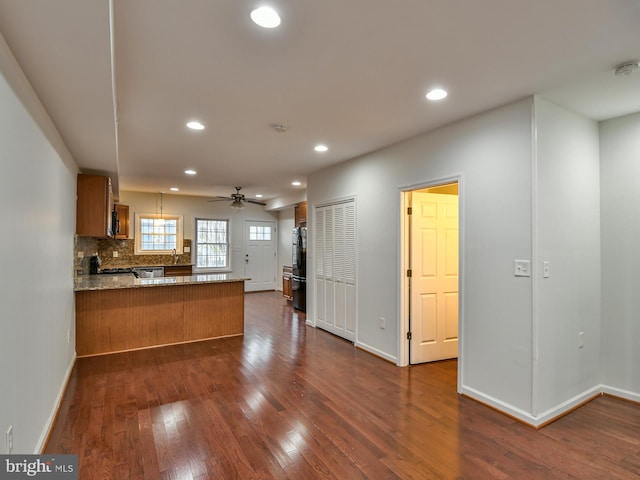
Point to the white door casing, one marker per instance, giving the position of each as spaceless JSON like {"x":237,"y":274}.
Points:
{"x":434,"y":279}
{"x":260,"y":255}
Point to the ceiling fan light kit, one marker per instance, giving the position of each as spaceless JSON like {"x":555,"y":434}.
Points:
{"x":237,"y":204}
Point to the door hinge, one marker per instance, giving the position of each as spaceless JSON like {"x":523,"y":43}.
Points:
{"x":409,"y":273}
{"x":408,"y":335}
{"x":409,"y":210}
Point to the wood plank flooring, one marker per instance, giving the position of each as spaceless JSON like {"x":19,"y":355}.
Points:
{"x":287,"y":401}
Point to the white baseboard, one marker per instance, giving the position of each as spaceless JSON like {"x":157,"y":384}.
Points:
{"x":52,"y":416}
{"x":565,"y":407}
{"x":552,"y":413}
{"x":619,"y":392}
{"x":499,"y":405}
{"x":376,"y":352}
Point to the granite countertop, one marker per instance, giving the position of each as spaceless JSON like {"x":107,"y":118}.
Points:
{"x":124,"y":265}
{"x":112,"y":282}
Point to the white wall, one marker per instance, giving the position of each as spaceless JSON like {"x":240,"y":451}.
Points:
{"x":620,"y":191}
{"x":492,"y":154}
{"x":567,"y":205}
{"x":37,"y":190}
{"x":199,"y":207}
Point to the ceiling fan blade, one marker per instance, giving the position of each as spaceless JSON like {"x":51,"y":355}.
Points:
{"x":220,"y":199}
{"x":255,"y":201}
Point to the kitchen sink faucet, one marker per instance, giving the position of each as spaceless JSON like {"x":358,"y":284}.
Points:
{"x":175,"y":256}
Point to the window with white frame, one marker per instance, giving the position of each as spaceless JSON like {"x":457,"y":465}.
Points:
{"x":158,"y":234}
{"x":258,"y":232}
{"x":212,"y":244}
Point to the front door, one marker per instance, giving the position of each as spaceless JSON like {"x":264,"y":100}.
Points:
{"x":259,"y":256}
{"x":434,"y":277}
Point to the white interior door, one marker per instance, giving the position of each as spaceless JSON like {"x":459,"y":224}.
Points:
{"x":434,"y":279}
{"x":259,"y":255}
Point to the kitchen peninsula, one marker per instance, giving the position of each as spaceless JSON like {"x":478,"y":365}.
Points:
{"x":116,"y":313}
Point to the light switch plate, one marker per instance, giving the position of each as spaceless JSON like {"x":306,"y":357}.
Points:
{"x":546,"y":270}
{"x":522,"y":268}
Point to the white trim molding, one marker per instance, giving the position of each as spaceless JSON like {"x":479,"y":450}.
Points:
{"x":48,"y":427}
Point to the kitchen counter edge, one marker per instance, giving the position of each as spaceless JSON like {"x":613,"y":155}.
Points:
{"x":85,"y":283}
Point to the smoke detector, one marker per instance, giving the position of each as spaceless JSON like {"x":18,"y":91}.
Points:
{"x":627,"y":68}
{"x":278,"y":127}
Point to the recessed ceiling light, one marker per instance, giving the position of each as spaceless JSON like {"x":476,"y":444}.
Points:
{"x":190,"y":172}
{"x":174,"y":189}
{"x":195,"y":125}
{"x":259,"y":195}
{"x":266,"y":17}
{"x":321,"y":148}
{"x":296,"y":183}
{"x":436,"y":94}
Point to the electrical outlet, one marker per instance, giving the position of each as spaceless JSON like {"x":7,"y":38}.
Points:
{"x":10,"y":439}
{"x":546,"y":270}
{"x":80,"y":254}
{"x":522,"y":268}
{"x":580,"y":339}
{"x":187,"y":249}
{"x":115,"y":254}
{"x":383,"y":323}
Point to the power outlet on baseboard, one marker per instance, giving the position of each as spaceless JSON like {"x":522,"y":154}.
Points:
{"x":10,"y":439}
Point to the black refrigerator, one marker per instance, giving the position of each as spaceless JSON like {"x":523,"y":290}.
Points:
{"x":299,"y":263}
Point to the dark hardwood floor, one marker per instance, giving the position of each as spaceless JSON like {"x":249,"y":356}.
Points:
{"x":290,"y":401}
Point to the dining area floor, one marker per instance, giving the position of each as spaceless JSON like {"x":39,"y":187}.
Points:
{"x":289,"y":401}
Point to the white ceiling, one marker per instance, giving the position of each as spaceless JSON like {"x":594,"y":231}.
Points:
{"x":348,"y":73}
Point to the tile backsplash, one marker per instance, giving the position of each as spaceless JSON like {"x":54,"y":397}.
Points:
{"x":85,"y":247}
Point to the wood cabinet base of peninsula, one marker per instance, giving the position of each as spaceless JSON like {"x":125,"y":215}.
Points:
{"x":111,"y":321}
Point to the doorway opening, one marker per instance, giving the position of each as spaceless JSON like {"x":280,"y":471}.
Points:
{"x":430,"y":260}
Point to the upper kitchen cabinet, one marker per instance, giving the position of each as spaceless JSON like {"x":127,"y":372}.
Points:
{"x":122,"y":227}
{"x":300,"y":214}
{"x":94,"y":206}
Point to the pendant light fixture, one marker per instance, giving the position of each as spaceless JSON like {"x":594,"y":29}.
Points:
{"x":161,"y":220}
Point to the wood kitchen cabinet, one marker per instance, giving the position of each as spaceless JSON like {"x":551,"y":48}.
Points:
{"x":94,"y":206}
{"x":300,"y":214}
{"x":287,"y":287}
{"x":177,"y":270}
{"x":122,"y":229}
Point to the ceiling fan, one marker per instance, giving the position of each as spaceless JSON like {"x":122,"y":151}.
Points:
{"x":237,"y":199}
